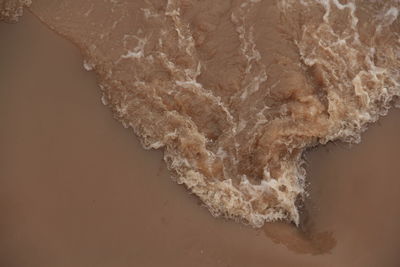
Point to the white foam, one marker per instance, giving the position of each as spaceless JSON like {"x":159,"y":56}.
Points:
{"x":87,"y":65}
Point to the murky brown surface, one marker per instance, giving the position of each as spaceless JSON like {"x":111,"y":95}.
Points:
{"x":12,"y":10}
{"x":77,"y":189}
{"x":234,"y":91}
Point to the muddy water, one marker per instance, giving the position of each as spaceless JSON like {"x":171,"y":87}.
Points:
{"x":78,"y":190}
{"x":234,"y":91}
{"x":12,"y":10}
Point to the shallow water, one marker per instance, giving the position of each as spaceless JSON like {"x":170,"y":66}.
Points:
{"x":12,"y":10}
{"x":234,"y":91}
{"x":77,"y":189}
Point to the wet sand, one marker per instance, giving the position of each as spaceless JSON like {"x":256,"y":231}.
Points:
{"x":77,"y":189}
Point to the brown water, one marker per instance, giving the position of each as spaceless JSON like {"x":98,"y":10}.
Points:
{"x":11,"y":10}
{"x":78,"y":189}
{"x":234,"y":91}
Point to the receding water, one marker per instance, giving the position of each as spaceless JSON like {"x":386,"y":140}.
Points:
{"x":77,"y":189}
